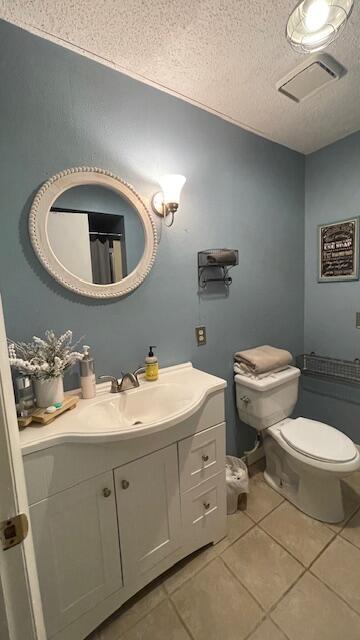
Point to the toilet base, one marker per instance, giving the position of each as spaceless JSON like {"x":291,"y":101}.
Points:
{"x":324,"y":503}
{"x":316,"y":493}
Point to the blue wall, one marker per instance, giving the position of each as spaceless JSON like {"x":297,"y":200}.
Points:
{"x":58,"y":109}
{"x":332,"y":193}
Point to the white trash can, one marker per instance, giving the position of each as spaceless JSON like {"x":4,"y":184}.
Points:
{"x":237,"y":482}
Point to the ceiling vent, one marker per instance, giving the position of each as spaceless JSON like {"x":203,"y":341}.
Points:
{"x":313,"y":75}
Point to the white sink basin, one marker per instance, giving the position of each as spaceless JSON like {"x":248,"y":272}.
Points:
{"x":152,"y":407}
{"x":139,"y":407}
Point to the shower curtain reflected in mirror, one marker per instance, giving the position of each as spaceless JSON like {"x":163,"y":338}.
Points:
{"x":101,"y":260}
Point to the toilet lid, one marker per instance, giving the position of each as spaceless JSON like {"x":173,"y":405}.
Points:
{"x":318,"y":440}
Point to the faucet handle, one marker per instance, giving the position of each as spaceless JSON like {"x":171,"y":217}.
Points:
{"x":138,"y":371}
{"x":113,"y":380}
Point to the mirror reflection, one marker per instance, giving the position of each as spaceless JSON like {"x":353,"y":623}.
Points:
{"x":96,"y":234}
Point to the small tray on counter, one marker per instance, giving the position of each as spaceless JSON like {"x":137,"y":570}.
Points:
{"x":40,"y":418}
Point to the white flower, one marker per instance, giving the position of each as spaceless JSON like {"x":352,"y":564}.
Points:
{"x":44,"y":358}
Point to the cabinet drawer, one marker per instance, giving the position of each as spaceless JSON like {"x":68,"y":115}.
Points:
{"x":201,"y":456}
{"x":204,"y":511}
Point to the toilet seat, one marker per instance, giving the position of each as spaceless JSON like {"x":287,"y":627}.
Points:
{"x":318,"y":441}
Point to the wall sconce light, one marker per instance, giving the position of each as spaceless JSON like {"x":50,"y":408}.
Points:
{"x":166,"y":202}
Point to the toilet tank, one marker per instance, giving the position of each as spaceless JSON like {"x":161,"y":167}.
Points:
{"x":264,"y":402}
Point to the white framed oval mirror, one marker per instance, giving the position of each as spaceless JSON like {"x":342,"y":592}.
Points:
{"x":92,"y":232}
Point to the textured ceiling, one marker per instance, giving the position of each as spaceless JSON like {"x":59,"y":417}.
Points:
{"x":224,"y":55}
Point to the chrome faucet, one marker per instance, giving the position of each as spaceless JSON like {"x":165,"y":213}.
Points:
{"x":114,"y":382}
{"x":128,"y":381}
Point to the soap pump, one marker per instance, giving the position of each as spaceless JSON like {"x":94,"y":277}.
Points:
{"x":87,"y":374}
{"x":151,"y":365}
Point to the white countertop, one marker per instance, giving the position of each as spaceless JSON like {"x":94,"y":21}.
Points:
{"x":77,"y":425}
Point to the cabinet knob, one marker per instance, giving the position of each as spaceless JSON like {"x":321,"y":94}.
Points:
{"x":207,"y":505}
{"x":125,"y":484}
{"x":205,"y":458}
{"x":106,"y":492}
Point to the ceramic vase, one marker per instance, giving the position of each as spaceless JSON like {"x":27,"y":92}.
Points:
{"x":49,"y":391}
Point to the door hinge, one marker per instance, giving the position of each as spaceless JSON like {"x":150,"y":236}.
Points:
{"x":13,"y":531}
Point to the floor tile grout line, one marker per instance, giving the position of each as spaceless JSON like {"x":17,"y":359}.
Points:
{"x":273,"y":606}
{"x":344,"y":522}
{"x":322,"y":551}
{"x":349,"y":541}
{"x":170,"y":593}
{"x":335,"y":593}
{"x":248,"y":636}
{"x":267,"y":514}
{"x":281,"y":544}
{"x":267,"y":617}
{"x":334,"y":535}
{"x":266,"y":612}
{"x":243,"y":586}
{"x":352,"y":515}
{"x":271,"y":611}
{"x":183,"y":623}
{"x":279,"y":628}
{"x":217,"y":555}
{"x":253,"y":525}
{"x":151,"y":610}
{"x":263,"y":611}
{"x":337,"y":535}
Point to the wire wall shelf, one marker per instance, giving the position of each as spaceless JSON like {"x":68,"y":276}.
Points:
{"x":332,"y":369}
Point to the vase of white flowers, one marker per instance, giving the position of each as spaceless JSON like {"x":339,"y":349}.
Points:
{"x":48,"y":391}
{"x":45,"y":360}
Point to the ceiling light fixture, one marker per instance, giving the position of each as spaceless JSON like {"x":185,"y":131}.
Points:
{"x":314,"y":24}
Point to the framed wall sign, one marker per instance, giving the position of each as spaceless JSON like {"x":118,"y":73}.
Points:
{"x":339,"y":251}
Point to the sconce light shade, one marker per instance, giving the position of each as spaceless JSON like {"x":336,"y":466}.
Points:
{"x":314,"y":24}
{"x":167,"y":200}
{"x":171,"y":186}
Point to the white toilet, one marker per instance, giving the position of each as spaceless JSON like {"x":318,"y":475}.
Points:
{"x":305,"y":459}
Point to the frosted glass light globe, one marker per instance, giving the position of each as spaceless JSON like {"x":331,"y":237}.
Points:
{"x":316,"y":15}
{"x":171,"y":186}
{"x":314,"y":24}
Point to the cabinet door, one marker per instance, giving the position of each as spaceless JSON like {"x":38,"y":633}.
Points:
{"x":147,"y":493}
{"x":77,"y":549}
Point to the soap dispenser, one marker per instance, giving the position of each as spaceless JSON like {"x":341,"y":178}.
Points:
{"x":151,"y":366}
{"x":87,"y":375}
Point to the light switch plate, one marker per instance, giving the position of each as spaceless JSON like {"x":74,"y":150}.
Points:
{"x":200,"y":333}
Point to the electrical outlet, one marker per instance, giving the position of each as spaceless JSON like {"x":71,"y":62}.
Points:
{"x":200,"y":333}
{"x":358,"y":319}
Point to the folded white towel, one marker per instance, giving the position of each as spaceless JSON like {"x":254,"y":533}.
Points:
{"x":263,"y":359}
{"x":243,"y":370}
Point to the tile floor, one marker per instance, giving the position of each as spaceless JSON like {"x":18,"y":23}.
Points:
{"x":278,"y":575}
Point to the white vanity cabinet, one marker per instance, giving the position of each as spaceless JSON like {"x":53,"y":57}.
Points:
{"x":110,"y":515}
